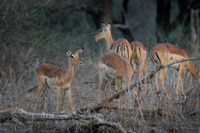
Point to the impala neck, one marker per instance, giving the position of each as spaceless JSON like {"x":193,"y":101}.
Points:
{"x":193,"y":71}
{"x":70,"y":72}
{"x":109,"y":41}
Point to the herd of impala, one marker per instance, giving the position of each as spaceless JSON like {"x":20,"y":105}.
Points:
{"x":118,"y":64}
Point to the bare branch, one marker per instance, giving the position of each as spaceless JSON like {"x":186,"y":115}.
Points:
{"x":138,"y":84}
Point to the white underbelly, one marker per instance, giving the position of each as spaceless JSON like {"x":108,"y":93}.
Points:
{"x":52,"y":82}
{"x":109,"y":71}
{"x":175,"y":65}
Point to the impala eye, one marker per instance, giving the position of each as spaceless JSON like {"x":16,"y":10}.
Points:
{"x":72,"y":56}
{"x":100,"y":31}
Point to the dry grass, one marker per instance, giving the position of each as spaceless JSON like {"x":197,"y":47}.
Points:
{"x":150,"y":115}
{"x":28,"y":40}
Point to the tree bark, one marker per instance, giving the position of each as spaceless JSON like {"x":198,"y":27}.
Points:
{"x":163,"y":19}
{"x":195,"y":32}
{"x":107,"y":11}
{"x":123,"y":24}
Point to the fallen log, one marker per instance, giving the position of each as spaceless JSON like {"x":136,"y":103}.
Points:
{"x":23,"y":116}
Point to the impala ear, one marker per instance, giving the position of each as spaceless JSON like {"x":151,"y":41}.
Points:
{"x":68,"y":53}
{"x":109,"y":25}
{"x":104,"y":26}
{"x":80,"y":50}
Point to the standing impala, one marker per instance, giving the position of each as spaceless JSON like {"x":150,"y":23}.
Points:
{"x":164,"y":53}
{"x":114,"y":67}
{"x":120,"y":46}
{"x":49,"y":76}
{"x":139,"y":54}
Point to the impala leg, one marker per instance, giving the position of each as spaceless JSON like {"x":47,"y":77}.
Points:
{"x":101,"y":76}
{"x":118,"y":87}
{"x":141,"y":71}
{"x":157,"y":89}
{"x":145,"y":73}
{"x":40,"y":87}
{"x":182,"y":88}
{"x":44,"y":94}
{"x":69,"y":95}
{"x":108,"y":85}
{"x":45,"y":99}
{"x":134,"y":70}
{"x":142,"y":68}
{"x":58,"y":98}
{"x":177,"y":85}
{"x":179,"y":72}
{"x":63,"y":98}
{"x":162,"y":74}
{"x":133,"y":64}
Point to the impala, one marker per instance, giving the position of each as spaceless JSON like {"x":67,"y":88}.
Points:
{"x":139,"y":54}
{"x":49,"y":76}
{"x":114,"y":67}
{"x":164,"y":53}
{"x":120,"y":46}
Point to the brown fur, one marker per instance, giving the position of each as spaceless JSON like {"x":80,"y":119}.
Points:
{"x":139,"y":54}
{"x":164,"y":53}
{"x":114,"y":46}
{"x":57,"y":77}
{"x":115,"y":67}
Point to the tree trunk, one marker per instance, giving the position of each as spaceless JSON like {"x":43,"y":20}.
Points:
{"x":107,"y":11}
{"x":195,"y":32}
{"x":123,"y":25}
{"x":163,"y":19}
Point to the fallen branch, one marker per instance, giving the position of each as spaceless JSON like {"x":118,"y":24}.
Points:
{"x":158,"y":112}
{"x":138,"y":84}
{"x":24,"y":116}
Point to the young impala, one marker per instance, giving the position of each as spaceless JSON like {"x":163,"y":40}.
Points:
{"x":114,"y":67}
{"x":49,"y":76}
{"x":164,"y":53}
{"x":139,"y":54}
{"x":120,"y":46}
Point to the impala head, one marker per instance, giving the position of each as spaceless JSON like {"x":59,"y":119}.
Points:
{"x":73,"y":57}
{"x":104,"y":31}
